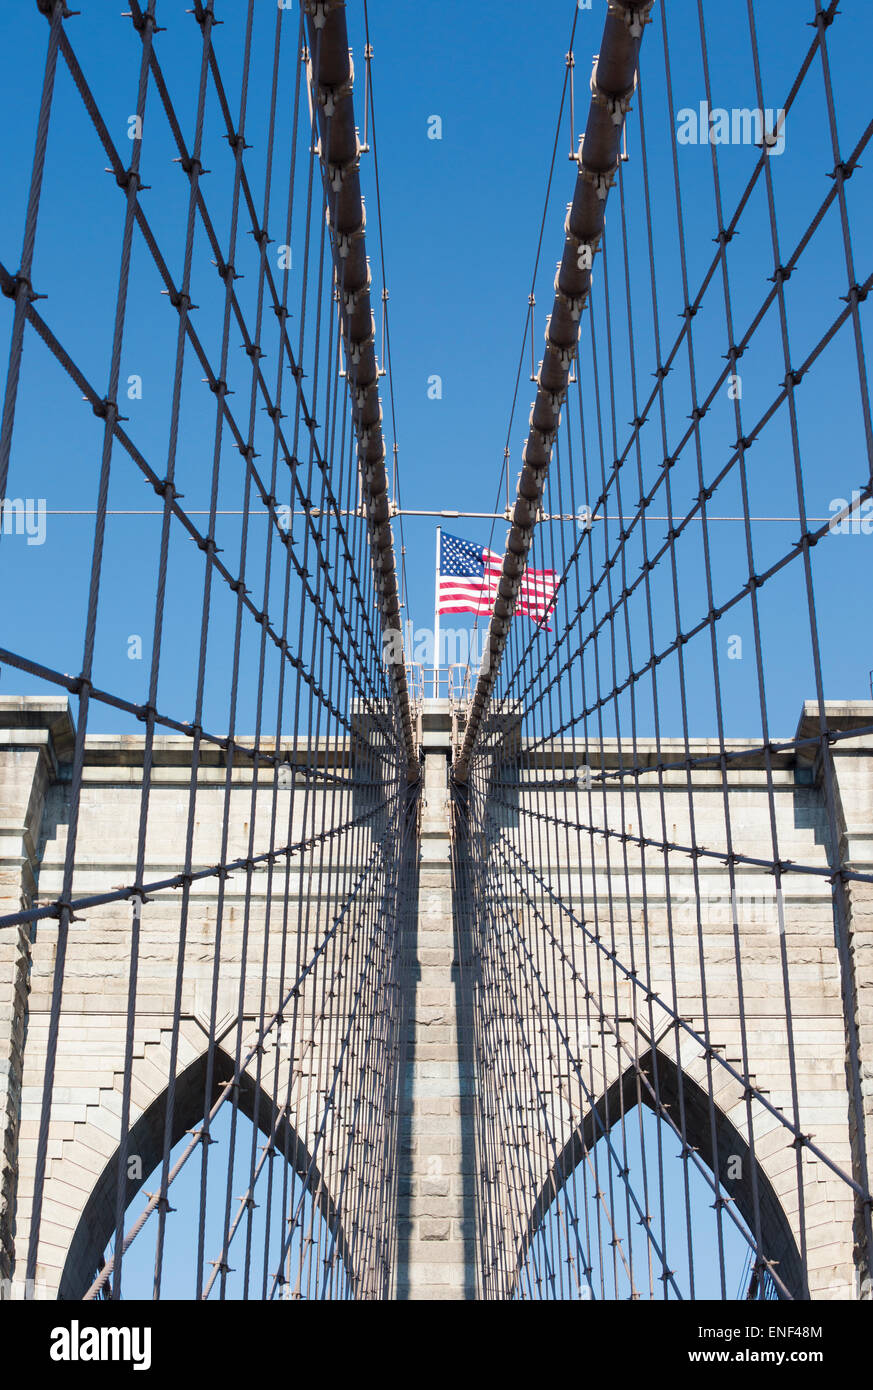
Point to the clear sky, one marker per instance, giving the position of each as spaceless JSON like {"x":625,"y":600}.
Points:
{"x":461,"y":222}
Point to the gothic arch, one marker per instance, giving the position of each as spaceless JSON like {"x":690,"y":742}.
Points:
{"x":96,"y":1225}
{"x":777,"y":1235}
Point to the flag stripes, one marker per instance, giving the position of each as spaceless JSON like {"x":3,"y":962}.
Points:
{"x":469,"y":576}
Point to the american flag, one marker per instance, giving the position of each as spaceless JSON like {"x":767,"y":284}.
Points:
{"x":469,"y":575}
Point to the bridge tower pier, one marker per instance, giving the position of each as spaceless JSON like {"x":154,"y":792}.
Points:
{"x":436,"y":1245}
{"x":33,"y":737}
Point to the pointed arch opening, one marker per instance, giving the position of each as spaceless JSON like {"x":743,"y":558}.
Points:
{"x":627,"y":1211}
{"x":259,"y":1261}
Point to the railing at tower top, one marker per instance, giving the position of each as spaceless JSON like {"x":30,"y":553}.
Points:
{"x":449,"y":685}
{"x":453,"y":682}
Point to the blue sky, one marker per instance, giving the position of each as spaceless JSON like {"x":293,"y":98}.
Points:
{"x":461,"y":220}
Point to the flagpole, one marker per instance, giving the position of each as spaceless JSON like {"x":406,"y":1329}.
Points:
{"x":436,"y":616}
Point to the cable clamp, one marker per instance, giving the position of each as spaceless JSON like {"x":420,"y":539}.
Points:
{"x":238,"y":143}
{"x":344,"y":239}
{"x":202,"y":14}
{"x":166,"y":488}
{"x":618,"y":104}
{"x":373,"y":466}
{"x":327,"y":96}
{"x":318,"y":10}
{"x":545,"y":438}
{"x":179,"y":300}
{"x":11,"y":284}
{"x":352,"y":298}
{"x":161,"y":1201}
{"x":856,"y":292}
{"x":191,"y":165}
{"x":585,"y":248}
{"x":556,"y":401}
{"x":355,"y":348}
{"x":566,"y":355}
{"x":107,"y":410}
{"x":226,"y":270}
{"x":635,"y":13}
{"x":573,"y":303}
{"x":336,"y":173}
{"x":127,"y":177}
{"x":600,"y":180}
{"x":344,"y":242}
